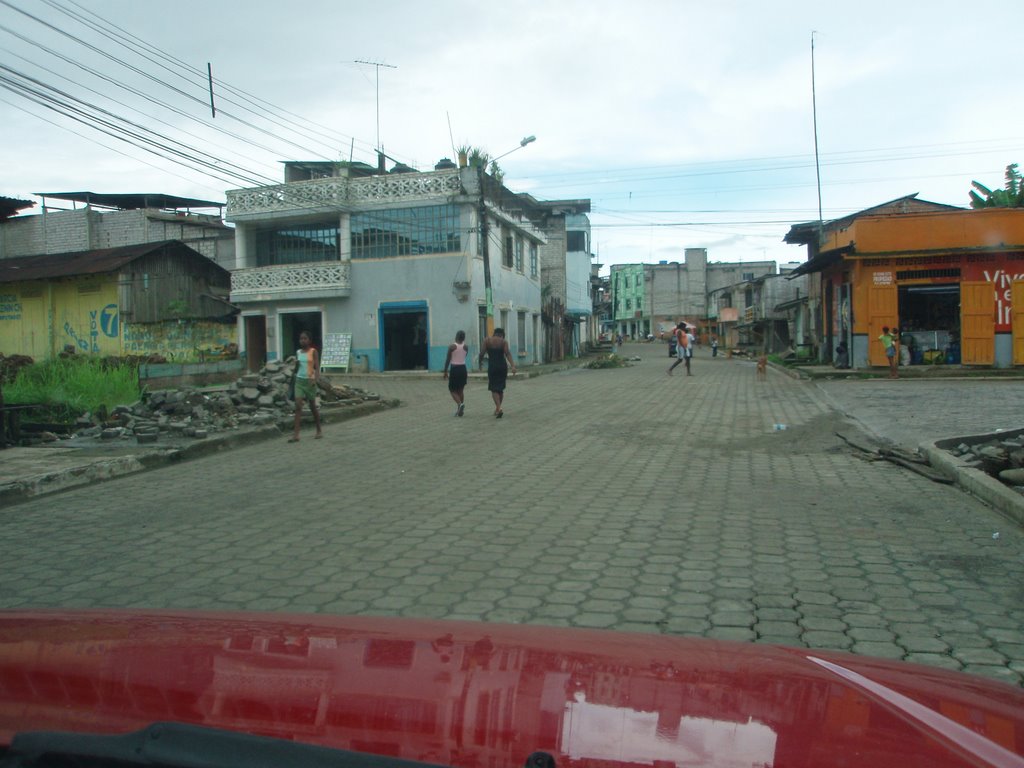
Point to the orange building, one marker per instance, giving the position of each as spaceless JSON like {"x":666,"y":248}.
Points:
{"x":951,"y":279}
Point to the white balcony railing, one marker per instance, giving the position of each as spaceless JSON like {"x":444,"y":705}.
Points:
{"x":341,"y":194}
{"x":297,"y":280}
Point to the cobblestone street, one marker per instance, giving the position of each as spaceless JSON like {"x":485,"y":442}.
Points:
{"x":623,"y":499}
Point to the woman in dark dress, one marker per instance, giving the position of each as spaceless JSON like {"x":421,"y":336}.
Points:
{"x":495,"y":347}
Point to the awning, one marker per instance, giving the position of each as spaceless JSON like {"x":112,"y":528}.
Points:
{"x":822,"y":261}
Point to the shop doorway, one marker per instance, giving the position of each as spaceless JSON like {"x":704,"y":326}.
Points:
{"x":294,"y":323}
{"x":255,"y":342}
{"x":930,"y":322}
{"x":404,"y":335}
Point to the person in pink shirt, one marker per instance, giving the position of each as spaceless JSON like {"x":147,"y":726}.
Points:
{"x":456,"y":372}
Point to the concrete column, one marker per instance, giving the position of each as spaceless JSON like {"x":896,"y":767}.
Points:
{"x":244,"y":243}
{"x":345,"y":236}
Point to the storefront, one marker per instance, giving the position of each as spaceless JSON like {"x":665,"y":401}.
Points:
{"x":951,"y":281}
{"x":950,"y":309}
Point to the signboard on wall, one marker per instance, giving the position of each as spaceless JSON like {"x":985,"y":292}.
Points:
{"x":337,"y":350}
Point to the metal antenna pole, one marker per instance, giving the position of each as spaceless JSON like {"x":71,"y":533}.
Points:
{"x":817,"y":161}
{"x":377,"y":65}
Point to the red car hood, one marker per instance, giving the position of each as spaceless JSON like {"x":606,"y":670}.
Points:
{"x":467,"y":694}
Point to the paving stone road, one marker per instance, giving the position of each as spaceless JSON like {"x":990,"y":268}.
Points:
{"x":623,"y":499}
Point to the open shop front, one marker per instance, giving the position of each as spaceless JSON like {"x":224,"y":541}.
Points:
{"x":929,"y":323}
{"x":950,"y":309}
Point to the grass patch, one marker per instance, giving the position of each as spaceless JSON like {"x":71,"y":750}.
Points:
{"x":73,"y":386}
{"x":607,"y":361}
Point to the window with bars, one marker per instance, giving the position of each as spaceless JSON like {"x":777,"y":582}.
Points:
{"x":406,"y":232}
{"x":519,"y":254}
{"x":533,"y":259}
{"x":297,"y":245}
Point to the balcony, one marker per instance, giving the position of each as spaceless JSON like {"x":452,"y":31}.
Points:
{"x":339,"y":194}
{"x":315,"y":280}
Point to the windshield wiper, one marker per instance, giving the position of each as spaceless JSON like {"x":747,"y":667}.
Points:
{"x":176,"y":745}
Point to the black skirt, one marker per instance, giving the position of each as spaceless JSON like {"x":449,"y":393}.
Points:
{"x":458,"y":375}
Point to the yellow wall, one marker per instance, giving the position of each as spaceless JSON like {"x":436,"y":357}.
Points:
{"x":179,"y":342}
{"x":38,"y":319}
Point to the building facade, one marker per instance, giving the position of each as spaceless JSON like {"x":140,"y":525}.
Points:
{"x":391,"y":263}
{"x":650,"y":299}
{"x":951,"y":279}
{"x":155,"y":299}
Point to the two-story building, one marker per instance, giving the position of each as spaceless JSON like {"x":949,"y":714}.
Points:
{"x":393,"y":262}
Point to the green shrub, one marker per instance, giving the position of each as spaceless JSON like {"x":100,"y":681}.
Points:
{"x":608,"y":361}
{"x":74,"y":385}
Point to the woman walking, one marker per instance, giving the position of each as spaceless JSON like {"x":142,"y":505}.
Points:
{"x":307,"y":373}
{"x":458,"y":374}
{"x":498,"y":354}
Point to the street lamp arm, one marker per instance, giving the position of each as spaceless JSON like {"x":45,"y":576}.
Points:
{"x":526,"y":140}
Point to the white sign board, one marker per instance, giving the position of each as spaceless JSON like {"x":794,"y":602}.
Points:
{"x":337,"y":350}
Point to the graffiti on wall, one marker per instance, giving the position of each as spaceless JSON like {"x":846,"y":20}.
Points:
{"x":179,"y":341}
{"x":10,"y":307}
{"x":101,"y":321}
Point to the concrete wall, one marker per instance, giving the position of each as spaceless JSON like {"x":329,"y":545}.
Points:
{"x":86,"y":229}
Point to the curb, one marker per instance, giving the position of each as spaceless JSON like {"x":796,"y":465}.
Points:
{"x":96,"y":470}
{"x":975,"y":481}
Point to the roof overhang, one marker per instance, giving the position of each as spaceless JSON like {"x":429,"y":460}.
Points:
{"x":821,"y":262}
{"x":131,"y":200}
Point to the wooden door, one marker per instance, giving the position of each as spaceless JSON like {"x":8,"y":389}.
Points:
{"x":977,"y":323}
{"x":883,"y":310}
{"x":255,"y":342}
{"x":1017,"y":320}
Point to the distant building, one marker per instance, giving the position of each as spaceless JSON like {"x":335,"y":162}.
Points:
{"x":652,"y":298}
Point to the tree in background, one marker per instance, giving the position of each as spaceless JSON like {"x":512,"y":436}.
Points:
{"x":1011,"y":196}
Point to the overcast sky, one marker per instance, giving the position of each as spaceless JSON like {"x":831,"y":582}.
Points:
{"x":687,"y":124}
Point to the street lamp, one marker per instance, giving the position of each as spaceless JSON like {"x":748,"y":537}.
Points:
{"x":484,"y":235}
{"x":526,"y":140}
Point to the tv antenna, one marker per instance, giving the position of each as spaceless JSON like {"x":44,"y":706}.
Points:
{"x":377,"y":65}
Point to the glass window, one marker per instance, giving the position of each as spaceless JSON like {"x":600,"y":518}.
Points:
{"x":519,"y":254}
{"x":533,"y":259}
{"x":521,"y":334}
{"x":629,"y":304}
{"x":506,"y":252}
{"x":576,"y":241}
{"x":297,"y":245}
{"x":405,"y":232}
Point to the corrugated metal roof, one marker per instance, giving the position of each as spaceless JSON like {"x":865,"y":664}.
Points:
{"x":10,"y":206}
{"x":132,"y":200}
{"x":95,"y":262}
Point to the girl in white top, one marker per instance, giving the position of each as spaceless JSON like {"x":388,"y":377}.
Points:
{"x":459,"y":374}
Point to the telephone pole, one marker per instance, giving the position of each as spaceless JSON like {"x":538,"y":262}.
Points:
{"x":377,"y":65}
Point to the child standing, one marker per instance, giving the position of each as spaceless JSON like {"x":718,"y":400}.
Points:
{"x":459,"y":374}
{"x":307,"y":373}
